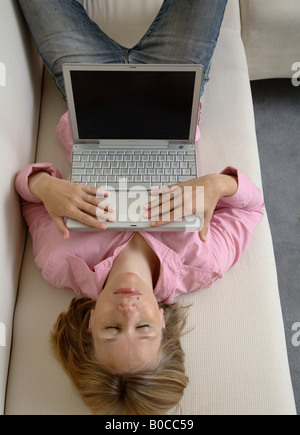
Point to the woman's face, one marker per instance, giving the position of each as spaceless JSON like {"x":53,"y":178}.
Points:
{"x":127,"y":325}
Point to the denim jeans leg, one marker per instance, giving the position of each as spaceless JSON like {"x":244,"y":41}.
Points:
{"x":64,"y":33}
{"x":183,"y":32}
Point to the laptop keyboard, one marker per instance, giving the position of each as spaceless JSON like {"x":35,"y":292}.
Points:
{"x":144,"y":168}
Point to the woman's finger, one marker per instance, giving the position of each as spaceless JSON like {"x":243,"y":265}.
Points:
{"x":89,"y":220}
{"x":60,"y":224}
{"x":178,"y":200}
{"x":94,"y":191}
{"x":168,"y":193}
{"x":103,"y":216}
{"x":104,"y":205}
{"x":166,"y":218}
{"x":205,"y":226}
{"x":103,"y":210}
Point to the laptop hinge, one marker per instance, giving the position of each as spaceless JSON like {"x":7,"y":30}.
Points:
{"x":87,"y":142}
{"x":135,"y":144}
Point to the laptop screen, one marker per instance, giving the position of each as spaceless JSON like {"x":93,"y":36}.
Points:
{"x":124,"y":105}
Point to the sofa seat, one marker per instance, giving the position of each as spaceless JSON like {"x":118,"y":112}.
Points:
{"x":236,"y":354}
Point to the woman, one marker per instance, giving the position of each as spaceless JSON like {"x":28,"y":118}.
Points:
{"x":120,"y":341}
{"x":119,"y":346}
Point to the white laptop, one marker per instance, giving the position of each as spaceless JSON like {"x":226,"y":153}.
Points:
{"x":134,"y":129}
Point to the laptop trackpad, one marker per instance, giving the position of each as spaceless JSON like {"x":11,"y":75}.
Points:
{"x":129,"y":205}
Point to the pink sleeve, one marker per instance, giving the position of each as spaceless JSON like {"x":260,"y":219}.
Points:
{"x":198,"y":124}
{"x":234,"y":222}
{"x":64,"y":134}
{"x":32,"y":207}
{"x":21,"y":181}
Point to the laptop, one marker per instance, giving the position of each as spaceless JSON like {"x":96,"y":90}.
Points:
{"x":134,"y":129}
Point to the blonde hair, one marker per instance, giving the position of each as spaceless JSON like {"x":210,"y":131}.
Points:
{"x":104,"y":392}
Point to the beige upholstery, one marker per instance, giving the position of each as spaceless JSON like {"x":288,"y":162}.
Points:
{"x":270,"y":31}
{"x":236,"y":356}
{"x":20,"y":92}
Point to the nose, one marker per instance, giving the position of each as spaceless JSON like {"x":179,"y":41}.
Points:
{"x":128,"y":311}
{"x":127,"y":307}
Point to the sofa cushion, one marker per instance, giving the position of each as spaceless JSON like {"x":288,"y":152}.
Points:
{"x":124,"y":21}
{"x":270,"y":32}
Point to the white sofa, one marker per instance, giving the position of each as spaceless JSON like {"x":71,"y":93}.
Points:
{"x":236,"y":356}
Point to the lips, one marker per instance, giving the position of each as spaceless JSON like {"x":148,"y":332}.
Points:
{"x":127,"y":292}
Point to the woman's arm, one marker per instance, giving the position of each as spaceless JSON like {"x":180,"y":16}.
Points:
{"x":63,"y":264}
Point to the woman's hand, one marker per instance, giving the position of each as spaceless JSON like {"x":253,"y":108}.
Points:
{"x":63,"y":198}
{"x":198,"y":196}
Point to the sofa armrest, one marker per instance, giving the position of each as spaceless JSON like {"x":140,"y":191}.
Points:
{"x":20,"y":92}
{"x":271,"y":36}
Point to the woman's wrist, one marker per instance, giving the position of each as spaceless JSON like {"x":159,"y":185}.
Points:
{"x":228,"y":184}
{"x":36,"y":183}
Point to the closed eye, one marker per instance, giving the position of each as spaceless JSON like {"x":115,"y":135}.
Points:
{"x":138,"y":327}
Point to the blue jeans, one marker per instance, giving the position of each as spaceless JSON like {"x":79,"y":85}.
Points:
{"x":182,"y":32}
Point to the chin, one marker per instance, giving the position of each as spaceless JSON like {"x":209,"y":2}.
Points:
{"x":130,"y":278}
